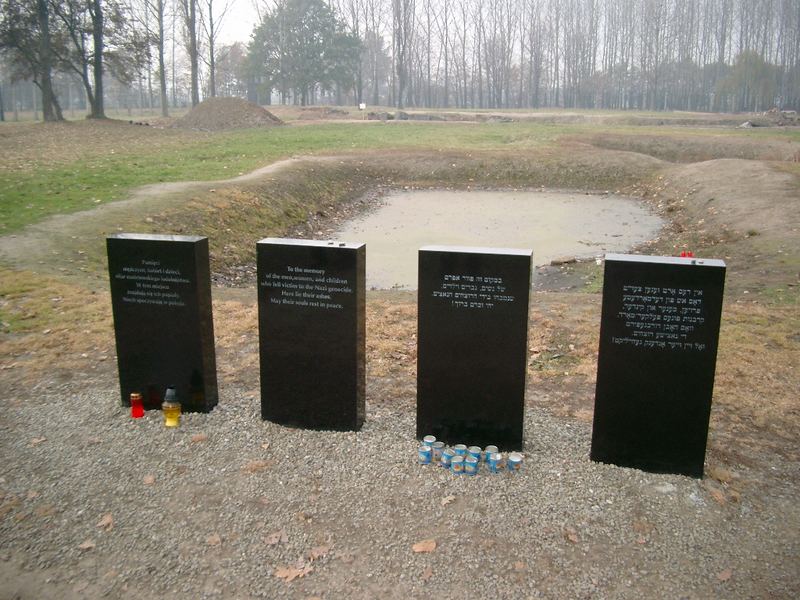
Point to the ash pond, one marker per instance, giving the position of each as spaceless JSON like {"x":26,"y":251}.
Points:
{"x":553,"y":224}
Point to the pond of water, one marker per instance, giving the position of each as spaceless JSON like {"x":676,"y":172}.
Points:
{"x":553,"y":224}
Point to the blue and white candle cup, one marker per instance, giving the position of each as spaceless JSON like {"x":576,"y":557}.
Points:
{"x":460,"y":449}
{"x":475,"y":452}
{"x":470,"y":465}
{"x":437,"y":448}
{"x":428,"y":440}
{"x":514,"y":462}
{"x":425,"y":454}
{"x":457,"y":465}
{"x":447,"y":457}
{"x":488,"y":451}
{"x":495,"y":462}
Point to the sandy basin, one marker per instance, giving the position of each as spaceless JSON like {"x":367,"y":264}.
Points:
{"x":553,"y":224}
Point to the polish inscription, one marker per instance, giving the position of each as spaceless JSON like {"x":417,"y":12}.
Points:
{"x":473,"y":292}
{"x":311,"y":288}
{"x":154,"y":284}
{"x":662,"y":317}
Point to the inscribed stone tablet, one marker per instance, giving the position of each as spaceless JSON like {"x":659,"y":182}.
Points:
{"x":655,"y":373}
{"x":472,"y":344}
{"x":161,"y":298}
{"x":311,"y":310}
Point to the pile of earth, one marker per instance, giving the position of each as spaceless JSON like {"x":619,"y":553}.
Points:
{"x":217,"y":114}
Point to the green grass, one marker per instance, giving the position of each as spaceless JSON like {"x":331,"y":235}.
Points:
{"x":29,"y":196}
{"x":48,"y":188}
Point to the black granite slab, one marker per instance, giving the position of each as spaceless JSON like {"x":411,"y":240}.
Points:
{"x":659,"y":332}
{"x":311,"y":322}
{"x":473,"y":344}
{"x":161,"y":299}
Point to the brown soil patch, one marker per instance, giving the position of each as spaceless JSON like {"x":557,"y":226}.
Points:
{"x":49,"y":145}
{"x":219,"y":114}
{"x":697,"y":148}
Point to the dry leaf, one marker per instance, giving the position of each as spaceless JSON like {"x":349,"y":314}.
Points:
{"x":571,"y":535}
{"x":278,"y":536}
{"x":37,"y":441}
{"x":265,"y":445}
{"x":717,"y":494}
{"x":106,"y":522}
{"x":424,"y":546}
{"x":427,"y":574}
{"x":256,"y":466}
{"x":149,"y":479}
{"x":318,"y":552}
{"x":87,"y":545}
{"x":519,"y":566}
{"x":641,"y":540}
{"x":214,"y":540}
{"x":720,"y":474}
{"x":32,"y":494}
{"x":447,"y":500}
{"x":199,"y":437}
{"x":642,"y":526}
{"x":289,"y":574}
{"x":723,"y":576}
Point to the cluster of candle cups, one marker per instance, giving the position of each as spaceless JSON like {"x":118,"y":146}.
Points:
{"x":463,"y":460}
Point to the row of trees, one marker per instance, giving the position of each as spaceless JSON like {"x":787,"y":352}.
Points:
{"x":740,"y":55}
{"x":647,"y":54}
{"x":53,"y":42}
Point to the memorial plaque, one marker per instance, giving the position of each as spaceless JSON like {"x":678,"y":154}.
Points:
{"x":311,"y":311}
{"x":161,"y":299}
{"x":473,"y":344}
{"x":655,"y":371}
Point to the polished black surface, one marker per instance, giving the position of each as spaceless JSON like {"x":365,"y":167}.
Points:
{"x":161,"y":299}
{"x":311,"y":321}
{"x":472,"y":344}
{"x":659,"y":331}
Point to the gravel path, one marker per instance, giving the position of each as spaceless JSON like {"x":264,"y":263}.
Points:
{"x":216,"y":507}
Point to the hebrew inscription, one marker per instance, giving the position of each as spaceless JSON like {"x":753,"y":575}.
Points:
{"x":473,"y":292}
{"x":662,"y":317}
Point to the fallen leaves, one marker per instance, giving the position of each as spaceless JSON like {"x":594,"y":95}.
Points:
{"x":213,"y":540}
{"x":724,"y":575}
{"x":106,"y":522}
{"x":447,"y":500}
{"x":571,"y":535}
{"x":716,"y":493}
{"x":292,"y":572}
{"x":277,"y":537}
{"x":424,"y":546}
{"x":318,"y":552}
{"x":256,"y":466}
{"x":427,"y":574}
{"x":87,"y":545}
{"x":199,"y":437}
{"x":37,"y":441}
{"x":149,"y":479}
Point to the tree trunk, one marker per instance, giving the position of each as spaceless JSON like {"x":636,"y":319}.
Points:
{"x":212,"y":68}
{"x":51,"y":111}
{"x":162,"y":74}
{"x":96,"y":12}
{"x":2,"y":110}
{"x":192,"y":27}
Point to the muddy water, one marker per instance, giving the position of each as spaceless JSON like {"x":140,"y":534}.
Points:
{"x":553,"y":224}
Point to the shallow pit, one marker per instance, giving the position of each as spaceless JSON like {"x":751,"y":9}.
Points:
{"x":553,"y":224}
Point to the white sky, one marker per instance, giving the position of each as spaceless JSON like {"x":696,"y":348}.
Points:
{"x":239,"y":21}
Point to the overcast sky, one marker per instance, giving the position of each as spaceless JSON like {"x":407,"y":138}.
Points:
{"x":238,"y":23}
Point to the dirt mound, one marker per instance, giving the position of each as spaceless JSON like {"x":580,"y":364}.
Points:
{"x":217,"y":114}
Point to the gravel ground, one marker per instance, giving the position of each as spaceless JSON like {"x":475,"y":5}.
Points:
{"x":215,"y":508}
